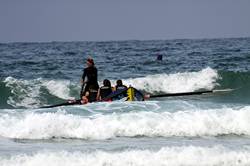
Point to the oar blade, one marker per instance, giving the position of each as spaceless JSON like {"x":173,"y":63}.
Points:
{"x":181,"y":94}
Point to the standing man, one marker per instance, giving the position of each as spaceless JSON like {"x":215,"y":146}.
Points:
{"x":89,"y":77}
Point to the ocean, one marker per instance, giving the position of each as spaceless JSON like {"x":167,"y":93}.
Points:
{"x":211,"y":129}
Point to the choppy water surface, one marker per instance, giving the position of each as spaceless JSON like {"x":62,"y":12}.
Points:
{"x":211,"y":129}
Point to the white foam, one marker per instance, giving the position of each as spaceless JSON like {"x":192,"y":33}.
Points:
{"x":174,"y":156}
{"x":59,"y":88}
{"x":213,"y":122}
{"x":178,"y":82}
{"x":26,"y":93}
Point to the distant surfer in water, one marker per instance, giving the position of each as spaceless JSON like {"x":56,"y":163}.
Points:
{"x":89,"y":77}
{"x":159,"y":57}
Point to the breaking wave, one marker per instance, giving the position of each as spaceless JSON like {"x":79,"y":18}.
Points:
{"x":179,"y":82}
{"x":192,"y":123}
{"x":20,"y":93}
{"x":177,"y":156}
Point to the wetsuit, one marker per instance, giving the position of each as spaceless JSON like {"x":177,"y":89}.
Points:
{"x":91,"y":74}
{"x":92,"y":95}
{"x":105,"y":91}
{"x":121,"y":87}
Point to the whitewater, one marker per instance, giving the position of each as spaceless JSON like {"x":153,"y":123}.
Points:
{"x":210,"y":129}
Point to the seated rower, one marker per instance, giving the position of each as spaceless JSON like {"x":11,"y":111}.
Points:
{"x":119,"y":85}
{"x":120,"y":90}
{"x":105,"y":90}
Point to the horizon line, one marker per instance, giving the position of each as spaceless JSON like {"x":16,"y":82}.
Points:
{"x":124,"y":40}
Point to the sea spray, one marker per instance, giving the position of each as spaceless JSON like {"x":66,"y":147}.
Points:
{"x":174,"y":156}
{"x":178,"y":82}
{"x":189,"y":123}
{"x":29,"y":94}
{"x":35,"y":93}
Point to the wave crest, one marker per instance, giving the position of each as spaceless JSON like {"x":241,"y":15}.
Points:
{"x":212,"y":122}
{"x":186,"y":155}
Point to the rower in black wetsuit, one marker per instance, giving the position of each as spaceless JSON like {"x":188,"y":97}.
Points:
{"x":90,"y":73}
{"x":120,"y":88}
{"x":119,"y":85}
{"x":105,"y":90}
{"x":91,"y":94}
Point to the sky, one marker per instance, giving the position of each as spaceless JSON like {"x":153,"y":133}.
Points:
{"x":105,"y":20}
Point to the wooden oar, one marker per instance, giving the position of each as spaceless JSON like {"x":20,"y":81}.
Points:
{"x":73,"y":102}
{"x":78,"y":102}
{"x":190,"y":93}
